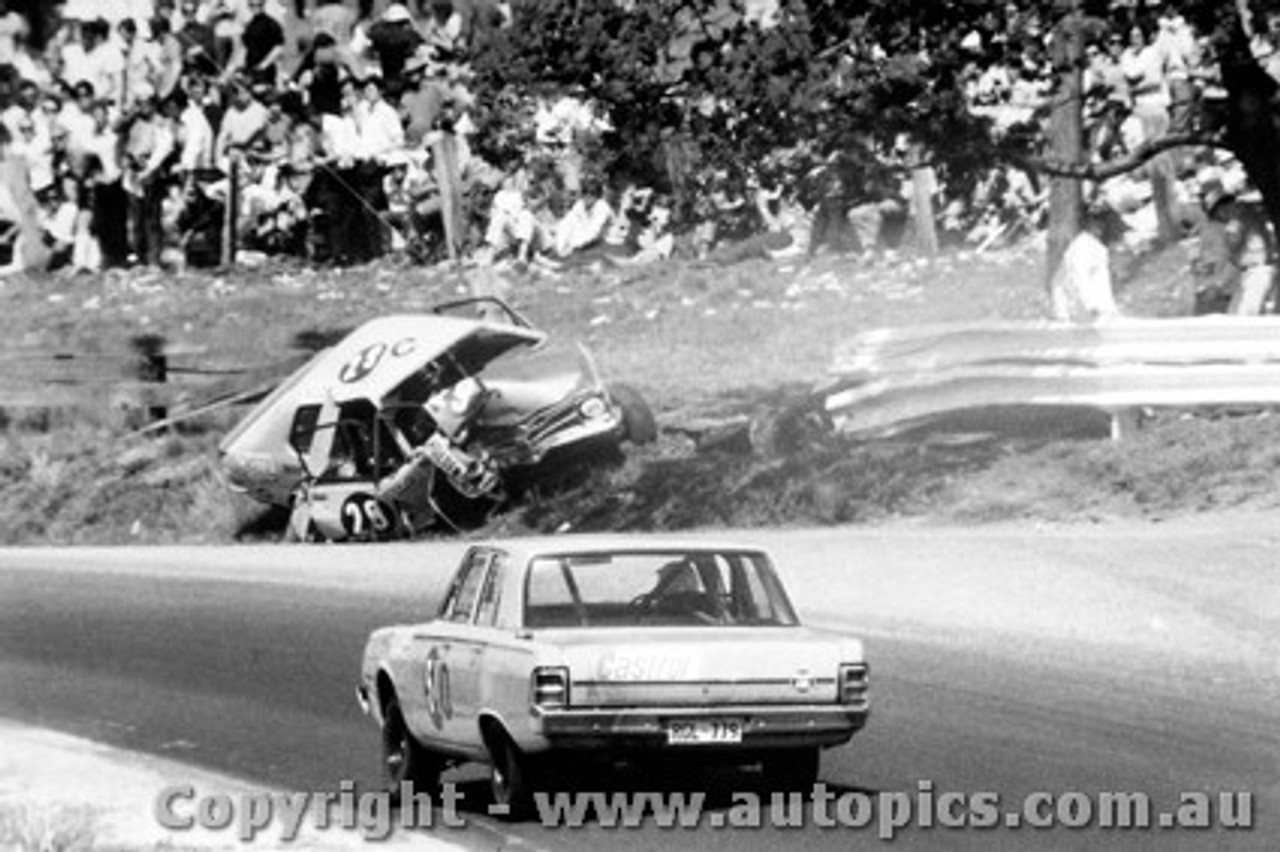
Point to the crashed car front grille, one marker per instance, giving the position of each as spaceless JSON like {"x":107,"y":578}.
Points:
{"x":541,"y":431}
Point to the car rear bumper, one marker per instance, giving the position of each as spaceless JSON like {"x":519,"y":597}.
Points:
{"x":764,"y":726}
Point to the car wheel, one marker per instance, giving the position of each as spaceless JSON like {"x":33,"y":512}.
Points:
{"x":404,"y":760}
{"x":510,"y":778}
{"x":638,"y":423}
{"x":792,"y":770}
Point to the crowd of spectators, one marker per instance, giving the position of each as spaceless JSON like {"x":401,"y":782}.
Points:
{"x":126,"y":134}
{"x":345,"y":129}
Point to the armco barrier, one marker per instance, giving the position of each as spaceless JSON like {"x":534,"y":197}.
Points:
{"x":888,"y":377}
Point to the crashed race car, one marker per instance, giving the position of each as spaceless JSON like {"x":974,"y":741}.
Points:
{"x":416,"y":421}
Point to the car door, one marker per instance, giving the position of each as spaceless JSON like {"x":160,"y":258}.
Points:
{"x":442,"y":648}
{"x":470,"y":656}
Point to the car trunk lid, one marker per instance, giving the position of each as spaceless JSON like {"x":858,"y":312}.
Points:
{"x":698,"y":666}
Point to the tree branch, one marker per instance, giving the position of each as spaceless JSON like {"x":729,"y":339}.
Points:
{"x":1135,"y":158}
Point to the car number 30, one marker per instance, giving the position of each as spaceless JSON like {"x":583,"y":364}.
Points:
{"x":365,"y":515}
{"x":439,"y":702}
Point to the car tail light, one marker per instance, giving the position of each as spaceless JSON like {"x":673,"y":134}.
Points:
{"x":549,"y":687}
{"x":852,"y":683}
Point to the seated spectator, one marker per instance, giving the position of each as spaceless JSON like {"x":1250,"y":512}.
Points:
{"x":512,"y":225}
{"x":444,"y":33}
{"x":1081,"y":286}
{"x":583,"y":225}
{"x":60,"y":218}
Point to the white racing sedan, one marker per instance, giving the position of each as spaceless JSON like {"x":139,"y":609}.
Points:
{"x":612,"y":648}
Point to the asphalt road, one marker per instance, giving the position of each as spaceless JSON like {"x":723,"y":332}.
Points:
{"x":255,"y":677}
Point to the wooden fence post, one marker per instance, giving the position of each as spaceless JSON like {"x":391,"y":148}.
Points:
{"x":445,"y":154}
{"x":231,"y":212}
{"x":152,"y":368}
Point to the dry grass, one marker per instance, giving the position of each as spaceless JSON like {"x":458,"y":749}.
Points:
{"x":699,"y":342}
{"x":55,"y":828}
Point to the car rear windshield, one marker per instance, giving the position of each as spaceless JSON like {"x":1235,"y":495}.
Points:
{"x":686,"y":588}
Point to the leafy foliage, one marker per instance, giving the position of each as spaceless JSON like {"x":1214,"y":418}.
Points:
{"x":699,"y":95}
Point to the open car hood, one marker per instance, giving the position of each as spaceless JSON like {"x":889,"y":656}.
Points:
{"x":370,"y":363}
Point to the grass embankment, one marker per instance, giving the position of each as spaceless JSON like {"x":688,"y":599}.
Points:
{"x":701,"y":343}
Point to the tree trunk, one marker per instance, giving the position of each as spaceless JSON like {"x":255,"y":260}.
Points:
{"x":1252,"y":118}
{"x":922,"y":181}
{"x":1066,"y":137}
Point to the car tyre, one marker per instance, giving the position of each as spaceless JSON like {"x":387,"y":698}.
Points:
{"x":793,"y":770}
{"x":638,"y":423}
{"x":404,"y":760}
{"x":510,"y":778}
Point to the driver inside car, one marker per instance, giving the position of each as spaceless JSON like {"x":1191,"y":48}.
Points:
{"x":680,"y":591}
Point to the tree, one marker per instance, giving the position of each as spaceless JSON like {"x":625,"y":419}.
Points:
{"x":828,"y":95}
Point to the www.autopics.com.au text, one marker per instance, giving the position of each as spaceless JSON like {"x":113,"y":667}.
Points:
{"x":376,"y":814}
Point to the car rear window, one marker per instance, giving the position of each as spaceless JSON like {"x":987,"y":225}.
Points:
{"x":687,"y":588}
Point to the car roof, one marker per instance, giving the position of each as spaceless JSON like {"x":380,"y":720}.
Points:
{"x":525,"y":548}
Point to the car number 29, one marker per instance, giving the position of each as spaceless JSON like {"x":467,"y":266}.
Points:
{"x":705,"y":731}
{"x":365,"y":515}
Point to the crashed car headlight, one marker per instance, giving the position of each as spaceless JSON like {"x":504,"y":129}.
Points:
{"x":593,"y":408}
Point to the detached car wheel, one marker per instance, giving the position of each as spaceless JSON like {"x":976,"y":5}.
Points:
{"x":510,"y":778}
{"x":793,"y":770}
{"x":404,"y":760}
{"x":638,"y":423}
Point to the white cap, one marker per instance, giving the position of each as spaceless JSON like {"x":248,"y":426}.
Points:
{"x":396,"y":13}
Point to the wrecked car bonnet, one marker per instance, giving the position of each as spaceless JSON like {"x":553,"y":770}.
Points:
{"x":518,"y":386}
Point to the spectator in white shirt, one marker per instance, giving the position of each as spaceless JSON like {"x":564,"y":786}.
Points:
{"x":381,"y":131}
{"x":1081,"y":286}
{"x":76,"y":118}
{"x":241,"y":124}
{"x":193,"y":134}
{"x":141,"y":66}
{"x":13,"y":33}
{"x":103,"y":63}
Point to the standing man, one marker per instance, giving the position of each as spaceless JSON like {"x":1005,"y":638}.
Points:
{"x":394,"y":40}
{"x":261,"y":46}
{"x":148,"y":145}
{"x":1237,"y":250}
{"x":199,"y":44}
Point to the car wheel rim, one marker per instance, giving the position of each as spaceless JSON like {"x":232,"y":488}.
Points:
{"x":396,"y":750}
{"x":501,"y":793}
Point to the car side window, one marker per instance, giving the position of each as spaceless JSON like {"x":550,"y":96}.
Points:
{"x":491,"y":592}
{"x":466,"y":588}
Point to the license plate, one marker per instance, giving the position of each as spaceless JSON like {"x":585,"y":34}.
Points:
{"x":704,"y":731}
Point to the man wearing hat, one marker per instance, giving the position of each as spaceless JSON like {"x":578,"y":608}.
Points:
{"x":1235,"y":261}
{"x":395,"y":40}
